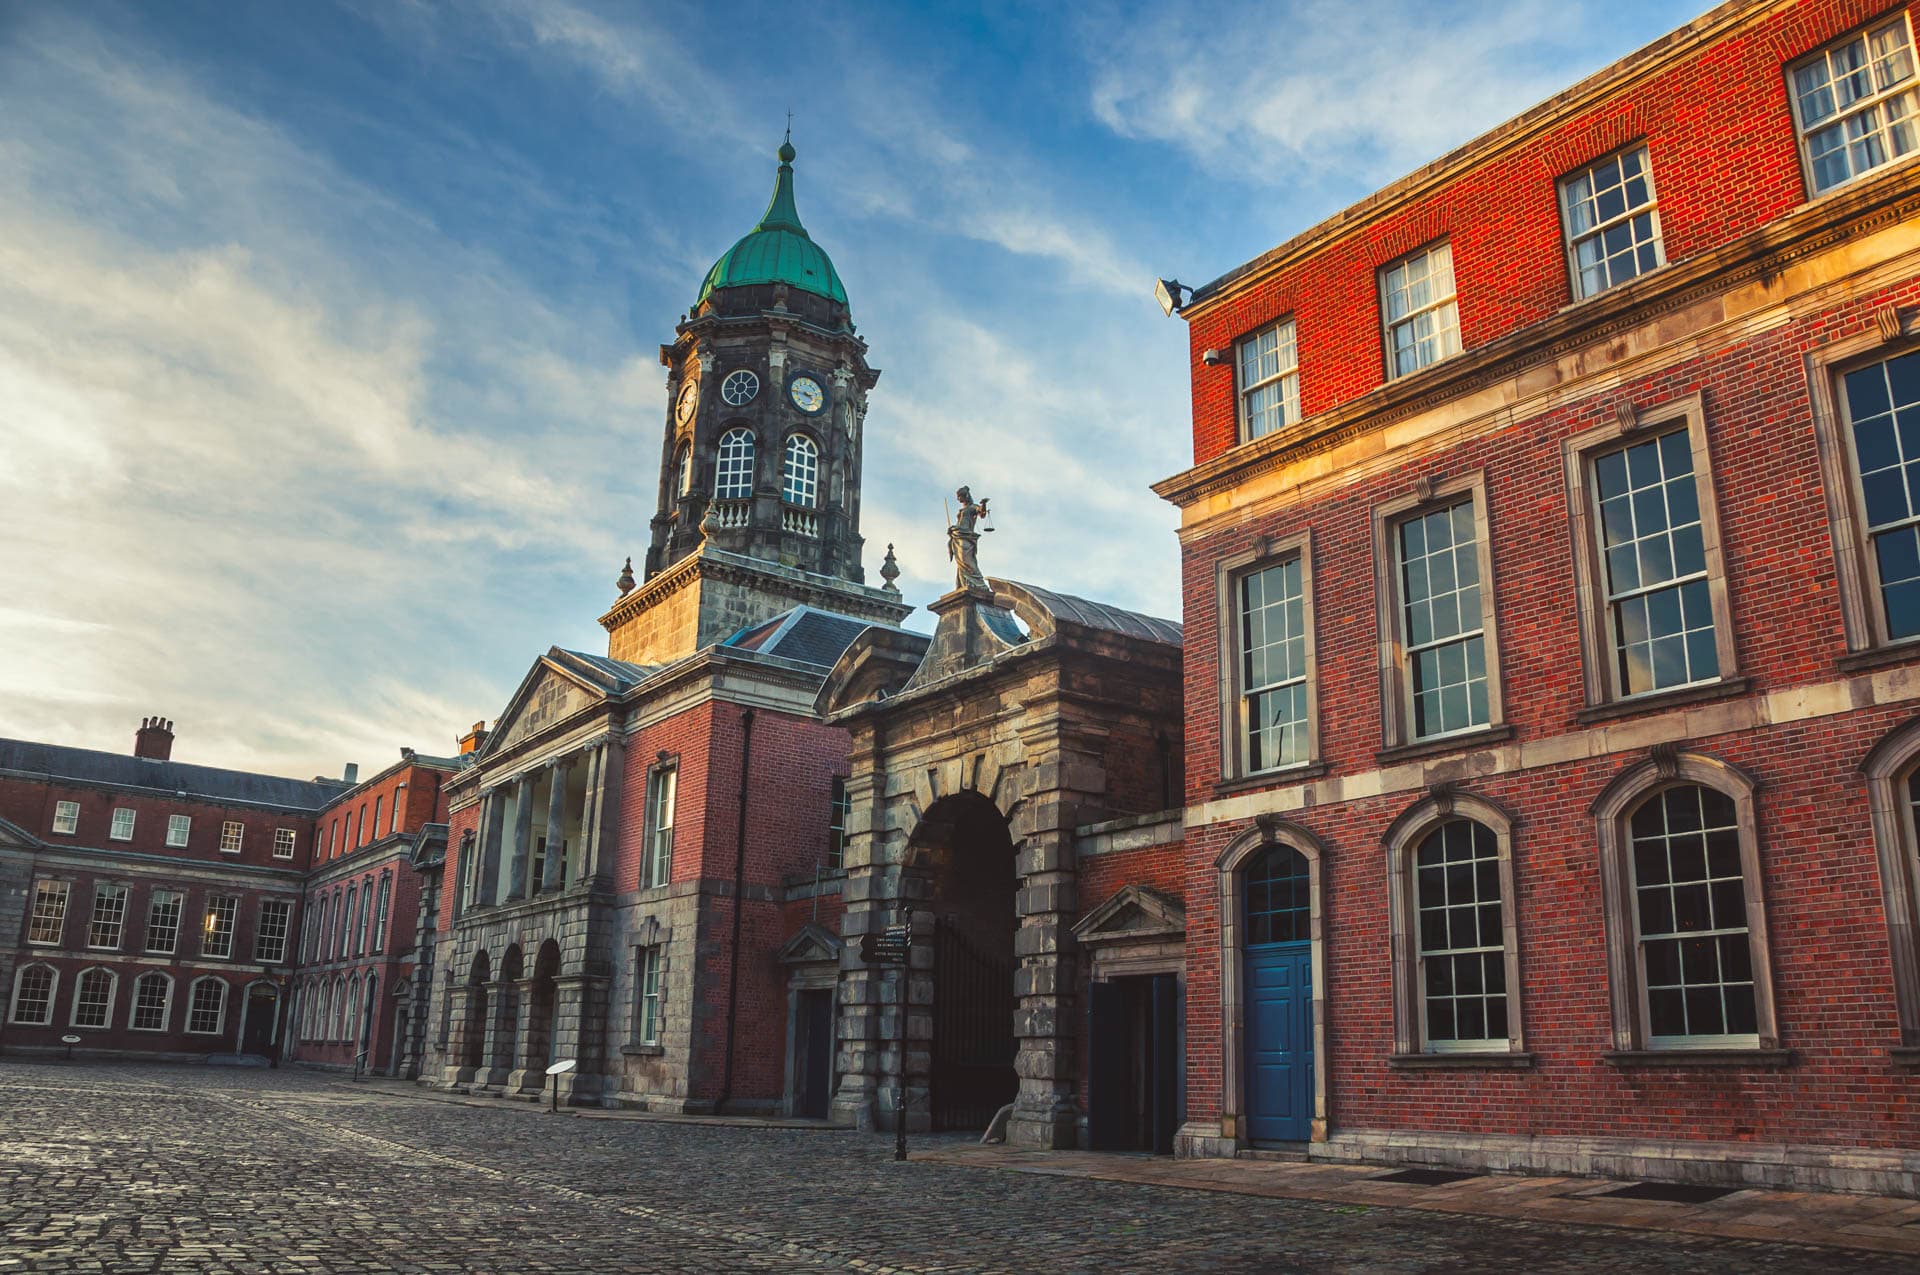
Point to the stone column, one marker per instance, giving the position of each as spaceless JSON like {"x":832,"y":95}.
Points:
{"x":492,"y":828}
{"x":522,"y":850}
{"x":528,"y":1066}
{"x":580,"y":857}
{"x":556,"y":825}
{"x":606,"y":813}
{"x":580,"y":1033}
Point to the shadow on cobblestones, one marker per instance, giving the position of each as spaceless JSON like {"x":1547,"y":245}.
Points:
{"x":148,"y":1168}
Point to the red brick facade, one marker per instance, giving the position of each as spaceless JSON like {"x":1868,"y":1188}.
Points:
{"x":1760,"y":282}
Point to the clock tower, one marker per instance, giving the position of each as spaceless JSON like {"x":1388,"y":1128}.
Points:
{"x":759,"y":497}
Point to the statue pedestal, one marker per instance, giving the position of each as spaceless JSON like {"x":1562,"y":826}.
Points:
{"x":974,"y":628}
{"x":962,"y":597}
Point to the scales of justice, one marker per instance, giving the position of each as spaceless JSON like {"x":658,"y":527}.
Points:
{"x":963,"y":543}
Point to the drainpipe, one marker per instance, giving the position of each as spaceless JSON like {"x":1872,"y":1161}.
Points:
{"x":739,"y":875}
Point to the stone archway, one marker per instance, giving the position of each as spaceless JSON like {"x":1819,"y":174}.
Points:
{"x":961,"y":871}
{"x":503,"y":1048}
{"x":542,"y":1006}
{"x":474,"y":1026}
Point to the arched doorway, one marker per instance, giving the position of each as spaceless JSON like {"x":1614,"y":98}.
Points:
{"x":965,"y":861}
{"x":544,"y":1009}
{"x":262,"y":1011}
{"x":473,"y":1047}
{"x":1276,"y":918}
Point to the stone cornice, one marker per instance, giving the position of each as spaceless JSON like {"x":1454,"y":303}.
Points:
{"x":828,"y":593}
{"x":1815,"y":227}
{"x":1619,"y":78}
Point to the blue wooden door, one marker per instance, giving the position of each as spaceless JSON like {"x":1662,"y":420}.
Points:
{"x":1279,"y":1042}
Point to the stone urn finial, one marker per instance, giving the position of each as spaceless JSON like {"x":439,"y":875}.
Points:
{"x":890,"y":571}
{"x":625,"y":582}
{"x":710,"y":521}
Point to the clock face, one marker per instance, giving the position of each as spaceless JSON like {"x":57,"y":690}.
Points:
{"x":807,"y":394}
{"x":689,"y":402}
{"x":740,"y":387}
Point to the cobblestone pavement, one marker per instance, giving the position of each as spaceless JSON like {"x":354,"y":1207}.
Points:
{"x":147,"y":1168}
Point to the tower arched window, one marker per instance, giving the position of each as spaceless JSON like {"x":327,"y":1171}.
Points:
{"x":683,"y":471}
{"x":733,"y":479}
{"x":800,"y":473}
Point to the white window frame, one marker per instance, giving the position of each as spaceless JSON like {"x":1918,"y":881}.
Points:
{"x":646,"y":976}
{"x":1444,"y":307}
{"x":733,"y":474}
{"x":1651,"y":209}
{"x":66,"y":817}
{"x":283,"y":843}
{"x":380,"y":913}
{"x":41,"y":918}
{"x":1875,"y":102}
{"x":839,"y":806}
{"x":194,"y":1010}
{"x":360,"y":922}
{"x":166,"y":1001}
{"x":179,"y":828}
{"x":178,"y":899}
{"x":1286,"y":375}
{"x":122,"y":829}
{"x":233,"y":835}
{"x":80,"y":994}
{"x":379,"y":809}
{"x":53,"y":993}
{"x":114,"y":897}
{"x":266,"y":932}
{"x":663,"y":790}
{"x":220,"y":908}
{"x":1235,"y":693}
{"x":800,"y":471}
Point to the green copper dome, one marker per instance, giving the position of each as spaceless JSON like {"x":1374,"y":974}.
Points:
{"x":777,"y":250}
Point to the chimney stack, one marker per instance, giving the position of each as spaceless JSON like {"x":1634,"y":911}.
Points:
{"x":352,"y":774}
{"x":471,"y":742}
{"x":154,"y":739}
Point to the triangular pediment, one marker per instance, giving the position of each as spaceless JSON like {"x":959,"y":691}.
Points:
{"x":14,"y":837}
{"x":813,"y":943}
{"x":547,"y":695}
{"x":1133,"y":914}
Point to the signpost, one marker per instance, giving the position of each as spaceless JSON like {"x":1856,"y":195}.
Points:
{"x":69,"y":1041}
{"x":558,"y":1070}
{"x":894,"y":946}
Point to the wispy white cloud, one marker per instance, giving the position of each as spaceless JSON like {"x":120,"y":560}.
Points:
{"x":1352,"y":89}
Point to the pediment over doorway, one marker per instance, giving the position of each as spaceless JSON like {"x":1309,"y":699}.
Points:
{"x":549,"y":694}
{"x":1135,"y":913}
{"x":813,"y":943}
{"x":14,"y":837}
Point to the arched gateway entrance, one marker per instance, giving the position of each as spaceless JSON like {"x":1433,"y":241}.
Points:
{"x":963,"y":859}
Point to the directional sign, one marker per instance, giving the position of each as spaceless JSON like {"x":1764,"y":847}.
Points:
{"x":563,"y":1066}
{"x":69,"y":1040}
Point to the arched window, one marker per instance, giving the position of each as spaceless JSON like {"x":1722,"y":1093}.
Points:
{"x":800,"y":472}
{"x":683,"y":471}
{"x":350,"y":1010}
{"x":93,"y":998}
{"x":380,"y":915}
{"x":1687,"y":953}
{"x":1892,"y":771}
{"x":1279,"y":900}
{"x":152,"y":1003}
{"x":360,"y":923}
{"x":1456,"y":974}
{"x":207,"y":1006}
{"x":733,"y":477}
{"x":33,"y":989}
{"x":346,"y":921}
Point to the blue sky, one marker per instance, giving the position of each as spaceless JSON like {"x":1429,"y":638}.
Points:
{"x":328,"y":388}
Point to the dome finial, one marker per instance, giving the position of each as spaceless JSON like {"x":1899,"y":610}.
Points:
{"x":786,"y":144}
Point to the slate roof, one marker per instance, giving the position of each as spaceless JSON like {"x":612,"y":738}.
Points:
{"x":85,"y":765}
{"x":803,"y":634}
{"x":1094,"y":615}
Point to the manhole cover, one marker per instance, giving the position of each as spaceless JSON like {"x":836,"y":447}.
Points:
{"x":1671,"y":1192}
{"x":1425,"y":1177}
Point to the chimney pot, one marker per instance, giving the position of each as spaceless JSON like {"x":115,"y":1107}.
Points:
{"x":154,"y":739}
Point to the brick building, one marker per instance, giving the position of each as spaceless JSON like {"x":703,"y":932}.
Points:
{"x":1550,"y":585}
{"x":147,"y":905}
{"x":358,"y":994}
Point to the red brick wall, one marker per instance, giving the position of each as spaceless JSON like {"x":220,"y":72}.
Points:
{"x":30,"y":803}
{"x":1721,"y":140}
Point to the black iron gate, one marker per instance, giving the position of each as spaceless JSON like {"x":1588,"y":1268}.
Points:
{"x":973,"y":1044}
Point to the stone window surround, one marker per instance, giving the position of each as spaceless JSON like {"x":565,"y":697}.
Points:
{"x":154,"y":899}
{"x":1631,"y":425}
{"x":53,"y":993}
{"x":193,"y":1007}
{"x":1670,"y":767}
{"x":1396,"y":673}
{"x":230,"y":931}
{"x":262,"y":933}
{"x":1266,"y":552}
{"x":1268,"y":831}
{"x":65,"y":893}
{"x":1444,"y":805}
{"x":103,"y":891}
{"x":1886,"y":769}
{"x":1861,"y":609}
{"x":113,"y":991}
{"x":166,"y":1002}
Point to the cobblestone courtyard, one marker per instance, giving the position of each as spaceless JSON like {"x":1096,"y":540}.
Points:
{"x":174,"y":1168}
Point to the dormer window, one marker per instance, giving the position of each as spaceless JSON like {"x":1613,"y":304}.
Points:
{"x":1269,"y":381}
{"x":799,"y":473}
